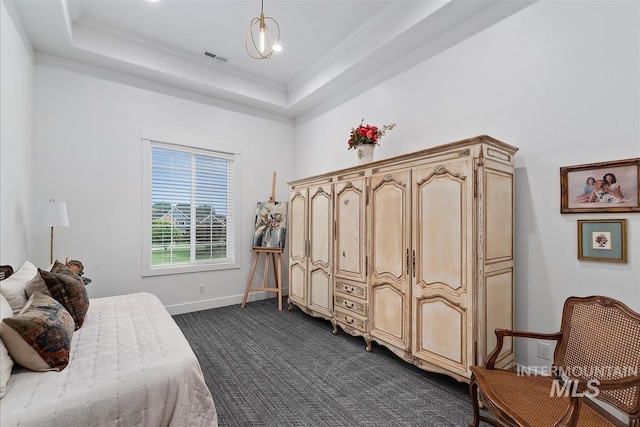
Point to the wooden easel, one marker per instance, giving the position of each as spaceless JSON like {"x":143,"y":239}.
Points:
{"x":276,"y":257}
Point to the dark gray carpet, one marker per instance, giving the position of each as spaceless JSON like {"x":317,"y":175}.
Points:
{"x":271,"y":368}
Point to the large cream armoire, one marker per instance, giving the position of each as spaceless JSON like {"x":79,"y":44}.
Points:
{"x":414,"y":252}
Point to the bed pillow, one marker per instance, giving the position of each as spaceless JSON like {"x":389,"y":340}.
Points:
{"x":68,"y":289}
{"x":39,"y":338}
{"x":14,"y":287}
{"x":37,"y":284}
{"x":6,"y":362}
{"x":58,"y":267}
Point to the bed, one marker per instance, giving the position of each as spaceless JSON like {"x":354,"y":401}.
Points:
{"x":129,"y":365}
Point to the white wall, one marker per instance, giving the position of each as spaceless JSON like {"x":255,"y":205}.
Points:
{"x":559,"y":80}
{"x":16,"y":141}
{"x":88,"y":154}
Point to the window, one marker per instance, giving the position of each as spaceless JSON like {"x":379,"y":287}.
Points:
{"x":189,"y":209}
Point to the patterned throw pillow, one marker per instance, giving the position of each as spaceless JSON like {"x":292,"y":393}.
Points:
{"x":68,"y":289}
{"x":39,"y":338}
{"x":59,"y":267}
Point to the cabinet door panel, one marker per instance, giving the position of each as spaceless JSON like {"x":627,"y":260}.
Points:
{"x":499,"y":297}
{"x":388,"y":319}
{"x":390,"y":232}
{"x":442,"y":331}
{"x":350,"y":230}
{"x":441,"y":236}
{"x":297,"y":283}
{"x":496,"y":310}
{"x":388,"y":223}
{"x":499,"y":214}
{"x":297,"y":225}
{"x":320,"y":226}
{"x":320,"y":295}
{"x":443,"y":246}
{"x":297,"y":231}
{"x":320,"y":230}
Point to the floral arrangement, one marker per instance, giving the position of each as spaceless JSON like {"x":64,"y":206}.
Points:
{"x":367,"y":134}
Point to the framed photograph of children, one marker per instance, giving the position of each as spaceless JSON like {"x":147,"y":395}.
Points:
{"x":601,"y":187}
{"x":602,"y":240}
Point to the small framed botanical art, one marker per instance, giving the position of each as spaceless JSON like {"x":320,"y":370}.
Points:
{"x":601,"y":187}
{"x":602,"y":240}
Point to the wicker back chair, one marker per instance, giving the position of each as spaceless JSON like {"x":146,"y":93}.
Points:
{"x":597,"y":355}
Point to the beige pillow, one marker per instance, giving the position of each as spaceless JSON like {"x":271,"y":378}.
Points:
{"x":14,"y":288}
{"x":37,"y":284}
{"x":39,"y":338}
{"x":6,"y":362}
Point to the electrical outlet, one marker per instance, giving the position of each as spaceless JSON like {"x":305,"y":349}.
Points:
{"x":203,"y":289}
{"x":544,"y":351}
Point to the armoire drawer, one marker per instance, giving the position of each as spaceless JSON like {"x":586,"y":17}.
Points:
{"x":358,"y":290}
{"x":351,"y":304}
{"x":350,"y":319}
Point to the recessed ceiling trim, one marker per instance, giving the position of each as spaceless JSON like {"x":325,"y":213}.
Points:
{"x":107,"y":31}
{"x":403,"y":33}
{"x":350,"y":45}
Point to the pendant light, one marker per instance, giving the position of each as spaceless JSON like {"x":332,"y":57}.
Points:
{"x":259,"y":42}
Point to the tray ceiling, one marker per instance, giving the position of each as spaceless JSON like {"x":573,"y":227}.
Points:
{"x":332,"y":49}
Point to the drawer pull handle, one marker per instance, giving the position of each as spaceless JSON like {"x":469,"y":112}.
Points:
{"x":349,"y":320}
{"x":350,"y":290}
{"x":348,"y":304}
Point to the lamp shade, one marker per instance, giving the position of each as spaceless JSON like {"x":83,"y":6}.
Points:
{"x":53,"y":214}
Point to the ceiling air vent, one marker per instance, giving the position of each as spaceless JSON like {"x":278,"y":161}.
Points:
{"x":214,"y":56}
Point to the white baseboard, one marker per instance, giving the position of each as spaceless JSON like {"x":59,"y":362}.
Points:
{"x":219,"y":302}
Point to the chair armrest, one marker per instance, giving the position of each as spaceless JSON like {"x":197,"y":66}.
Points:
{"x":588,"y":385}
{"x":501,"y":333}
{"x":626,"y":382}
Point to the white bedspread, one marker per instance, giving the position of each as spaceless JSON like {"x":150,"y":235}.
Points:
{"x":130,"y":366}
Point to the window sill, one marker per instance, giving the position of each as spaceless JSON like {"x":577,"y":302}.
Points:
{"x":181,"y":269}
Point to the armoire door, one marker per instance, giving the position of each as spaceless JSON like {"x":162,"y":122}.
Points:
{"x":297,"y":231}
{"x":443,"y":244}
{"x":390,"y":258}
{"x":320,"y":291}
{"x":350,"y":256}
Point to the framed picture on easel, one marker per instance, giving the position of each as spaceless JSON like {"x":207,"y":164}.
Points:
{"x":271,"y":225}
{"x":269,"y":237}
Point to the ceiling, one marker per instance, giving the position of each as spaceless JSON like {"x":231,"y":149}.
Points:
{"x":332,"y":49}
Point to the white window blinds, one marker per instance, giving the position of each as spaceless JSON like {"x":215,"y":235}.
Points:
{"x":192,"y":206}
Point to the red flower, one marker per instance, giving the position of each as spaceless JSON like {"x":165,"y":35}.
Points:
{"x":368,"y":135}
